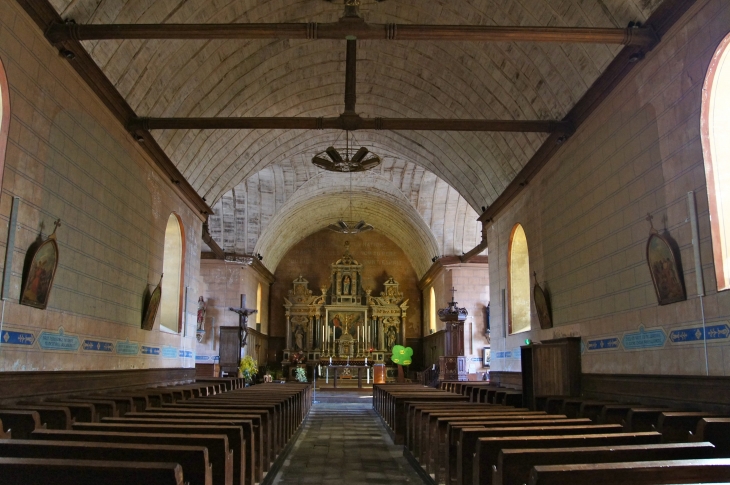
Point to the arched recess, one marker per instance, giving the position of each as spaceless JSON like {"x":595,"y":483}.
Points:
{"x":173,"y":266}
{"x":519,"y":281}
{"x":4,"y":118}
{"x":432,"y":311}
{"x":715,"y":126}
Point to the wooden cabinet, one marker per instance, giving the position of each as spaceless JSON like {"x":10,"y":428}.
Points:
{"x":551,"y":368}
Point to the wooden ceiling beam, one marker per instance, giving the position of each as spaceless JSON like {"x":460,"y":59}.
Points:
{"x":354,"y":28}
{"x":350,"y":122}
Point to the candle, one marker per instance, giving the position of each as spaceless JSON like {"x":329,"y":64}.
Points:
{"x":366,"y":361}
{"x":330,"y":360}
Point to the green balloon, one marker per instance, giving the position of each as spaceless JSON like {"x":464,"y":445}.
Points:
{"x":401,"y":355}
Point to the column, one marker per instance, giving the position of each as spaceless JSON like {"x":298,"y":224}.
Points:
{"x":288,"y":331}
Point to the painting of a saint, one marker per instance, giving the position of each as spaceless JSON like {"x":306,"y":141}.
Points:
{"x":148,"y":320}
{"x":665,"y":271}
{"x":336,"y":325}
{"x":346,"y":285}
{"x":39,"y":280}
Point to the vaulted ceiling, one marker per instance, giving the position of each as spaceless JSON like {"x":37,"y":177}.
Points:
{"x":399,"y":79}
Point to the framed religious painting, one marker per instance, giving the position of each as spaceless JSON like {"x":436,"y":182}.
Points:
{"x":148,"y":321}
{"x":542,"y":306}
{"x":665,"y":268}
{"x":41,"y":272}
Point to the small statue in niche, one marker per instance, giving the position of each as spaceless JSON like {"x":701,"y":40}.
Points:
{"x":299,"y":338}
{"x":201,"y":313}
{"x":390,"y":338}
{"x":346,"y":285}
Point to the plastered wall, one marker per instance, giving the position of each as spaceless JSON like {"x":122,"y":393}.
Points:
{"x":225,"y":282}
{"x":585,"y":217}
{"x":471,"y":282}
{"x":68,"y":158}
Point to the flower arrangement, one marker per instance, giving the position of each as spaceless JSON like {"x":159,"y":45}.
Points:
{"x":248,"y":368}
{"x":300,"y":374}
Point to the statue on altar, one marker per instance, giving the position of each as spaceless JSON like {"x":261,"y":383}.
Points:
{"x":346,"y":285}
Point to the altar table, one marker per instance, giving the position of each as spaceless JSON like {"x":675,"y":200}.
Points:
{"x":359,"y":372}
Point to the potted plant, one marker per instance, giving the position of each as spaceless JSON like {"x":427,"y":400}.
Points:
{"x":300,"y":374}
{"x":248,"y":368}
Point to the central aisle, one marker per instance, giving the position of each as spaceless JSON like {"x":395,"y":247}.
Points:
{"x":343,"y":442}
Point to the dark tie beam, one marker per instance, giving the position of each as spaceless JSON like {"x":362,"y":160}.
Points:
{"x":355,"y":28}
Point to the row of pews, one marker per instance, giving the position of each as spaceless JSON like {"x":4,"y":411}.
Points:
{"x":212,"y":432}
{"x":477,"y":433}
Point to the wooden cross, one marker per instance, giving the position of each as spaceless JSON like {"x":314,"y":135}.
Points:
{"x":243,"y":314}
{"x":453,"y":290}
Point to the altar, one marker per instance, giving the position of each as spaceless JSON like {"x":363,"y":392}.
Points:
{"x":345,"y":322}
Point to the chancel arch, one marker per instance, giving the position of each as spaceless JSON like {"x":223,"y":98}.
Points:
{"x":322,"y":201}
{"x":173,"y":264}
{"x":715,"y":127}
{"x":519,"y":281}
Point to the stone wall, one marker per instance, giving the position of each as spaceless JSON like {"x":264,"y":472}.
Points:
{"x":68,"y":158}
{"x":585,"y":217}
{"x":313,"y":256}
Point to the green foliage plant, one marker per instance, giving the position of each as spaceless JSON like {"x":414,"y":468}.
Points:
{"x":249,"y":368}
{"x":300,"y":374}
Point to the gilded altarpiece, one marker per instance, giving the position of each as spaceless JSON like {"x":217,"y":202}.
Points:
{"x":345,"y":322}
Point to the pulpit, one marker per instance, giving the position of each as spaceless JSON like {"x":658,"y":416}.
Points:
{"x":452,"y":365}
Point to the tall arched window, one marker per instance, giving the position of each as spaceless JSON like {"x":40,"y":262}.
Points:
{"x":432,"y":311}
{"x":258,"y":308}
{"x":519,"y":281}
{"x":715,"y":128}
{"x":4,"y":118}
{"x":173,"y":264}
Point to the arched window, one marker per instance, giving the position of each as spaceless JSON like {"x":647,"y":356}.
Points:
{"x":173,"y":264}
{"x":519,"y":281}
{"x":715,"y":127}
{"x":4,"y":118}
{"x":258,"y":308}
{"x":432,"y":311}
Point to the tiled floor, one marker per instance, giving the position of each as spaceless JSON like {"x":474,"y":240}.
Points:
{"x":343,"y":442}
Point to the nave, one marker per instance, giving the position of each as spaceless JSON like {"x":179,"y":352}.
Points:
{"x":344,"y":441}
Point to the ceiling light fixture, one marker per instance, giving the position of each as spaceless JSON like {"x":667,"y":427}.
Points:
{"x":357,"y":163}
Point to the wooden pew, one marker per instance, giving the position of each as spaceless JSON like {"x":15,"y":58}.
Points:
{"x":643,"y":419}
{"x":245,"y":424}
{"x":716,"y":431}
{"x":468,"y":439}
{"x":421,"y":415}
{"x":487,"y":449}
{"x":268,"y":436}
{"x":675,"y":426}
{"x":103,"y":408}
{"x":54,"y":417}
{"x":617,"y":413}
{"x":514,"y":465}
{"x":80,"y":412}
{"x":19,"y":424}
{"x":193,"y":459}
{"x":234,"y":434}
{"x":219,"y":454}
{"x":39,"y":471}
{"x":440,"y":449}
{"x":634,"y":473}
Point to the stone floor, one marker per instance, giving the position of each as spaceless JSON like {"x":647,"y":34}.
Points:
{"x":343,"y":442}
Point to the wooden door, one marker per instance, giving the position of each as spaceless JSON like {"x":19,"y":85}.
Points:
{"x":229,"y":350}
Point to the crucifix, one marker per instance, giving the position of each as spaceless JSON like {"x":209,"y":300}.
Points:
{"x":243,"y":314}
